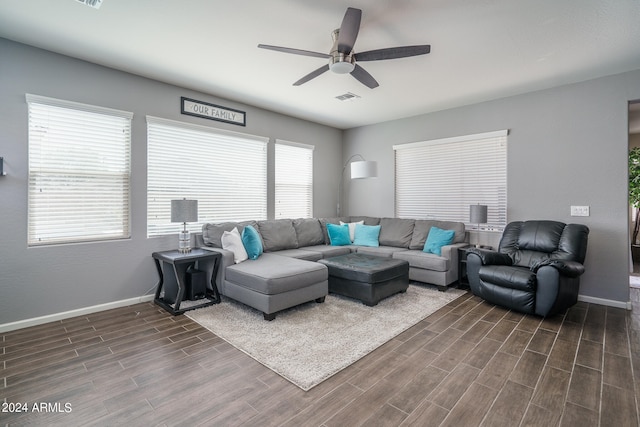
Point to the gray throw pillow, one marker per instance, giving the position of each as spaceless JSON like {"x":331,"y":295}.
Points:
{"x":212,"y":233}
{"x":396,"y":232}
{"x":277,"y":234}
{"x":308,"y":232}
{"x":368,"y":220}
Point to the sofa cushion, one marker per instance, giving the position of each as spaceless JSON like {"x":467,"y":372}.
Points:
{"x":367,"y":235}
{"x":328,"y":251}
{"x":232,"y":241}
{"x":252,"y":242}
{"x":438,"y":238}
{"x":325,"y":221}
{"x":396,"y":232}
{"x":278,"y":234}
{"x":212,"y":233}
{"x":338,"y":234}
{"x":301,"y":254}
{"x":423,"y":260}
{"x":352,"y":228}
{"x":367,"y":220}
{"x":380,"y":251}
{"x":308,"y":232}
{"x":421,"y":231}
{"x":274,"y":274}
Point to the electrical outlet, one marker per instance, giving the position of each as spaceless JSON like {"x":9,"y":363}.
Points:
{"x":579,"y":210}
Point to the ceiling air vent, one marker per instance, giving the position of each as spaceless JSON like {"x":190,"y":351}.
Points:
{"x":93,"y":3}
{"x":347,"y":97}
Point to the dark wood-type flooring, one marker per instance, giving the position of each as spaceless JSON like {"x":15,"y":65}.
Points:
{"x":468,"y":364}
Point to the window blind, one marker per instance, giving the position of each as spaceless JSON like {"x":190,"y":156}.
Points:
{"x":293,"y":180}
{"x":440,"y":179}
{"x":79,"y":172}
{"x":225,"y":171}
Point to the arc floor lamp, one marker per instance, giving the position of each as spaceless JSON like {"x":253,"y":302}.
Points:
{"x":359,"y":169}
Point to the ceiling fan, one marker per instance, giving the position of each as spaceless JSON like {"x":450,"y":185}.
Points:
{"x":342,"y":58}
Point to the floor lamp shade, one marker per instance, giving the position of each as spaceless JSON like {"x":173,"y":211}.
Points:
{"x":478,"y":214}
{"x":364,"y":169}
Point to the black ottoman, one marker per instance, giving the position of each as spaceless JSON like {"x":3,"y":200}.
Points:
{"x":367,"y":278}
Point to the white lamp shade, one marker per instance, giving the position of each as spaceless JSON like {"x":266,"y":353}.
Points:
{"x":184,"y":210}
{"x":364,"y":169}
{"x":478,"y":214}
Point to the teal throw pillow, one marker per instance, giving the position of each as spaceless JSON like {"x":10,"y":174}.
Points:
{"x":338,"y":234}
{"x":252,"y":242}
{"x":367,"y":235}
{"x":438,"y":238}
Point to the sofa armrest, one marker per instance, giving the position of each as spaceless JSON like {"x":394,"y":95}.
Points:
{"x":451,"y":251}
{"x":226,"y":261}
{"x":565,"y":268}
{"x":488,"y":257}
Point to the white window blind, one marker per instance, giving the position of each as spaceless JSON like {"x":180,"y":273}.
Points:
{"x":79,"y":172}
{"x":440,"y":179}
{"x":225,"y":171}
{"x":293,"y":180}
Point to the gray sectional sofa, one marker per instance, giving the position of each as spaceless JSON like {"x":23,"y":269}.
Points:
{"x":287,"y":273}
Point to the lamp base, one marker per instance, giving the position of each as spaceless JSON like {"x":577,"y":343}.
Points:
{"x":184,"y":242}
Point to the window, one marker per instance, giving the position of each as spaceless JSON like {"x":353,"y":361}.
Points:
{"x":79,"y":172}
{"x":294,"y":180}
{"x":225,"y":171}
{"x":439,"y":179}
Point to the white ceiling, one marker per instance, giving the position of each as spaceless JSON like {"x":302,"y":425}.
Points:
{"x":480,"y":50}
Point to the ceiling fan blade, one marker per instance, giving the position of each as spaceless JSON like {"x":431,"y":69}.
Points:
{"x":312,"y":75}
{"x":393,"y":53}
{"x":294,"y":51}
{"x":349,"y":30}
{"x":363,"y":77}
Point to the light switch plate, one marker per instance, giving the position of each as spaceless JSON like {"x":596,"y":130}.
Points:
{"x":579,"y":210}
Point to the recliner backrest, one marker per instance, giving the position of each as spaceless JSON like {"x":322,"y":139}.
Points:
{"x":527,"y":242}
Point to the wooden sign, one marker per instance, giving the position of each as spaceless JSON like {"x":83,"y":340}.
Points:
{"x":191,"y":107}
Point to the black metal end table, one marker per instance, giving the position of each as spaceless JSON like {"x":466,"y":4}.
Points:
{"x":463,"y":281}
{"x":178,"y":263}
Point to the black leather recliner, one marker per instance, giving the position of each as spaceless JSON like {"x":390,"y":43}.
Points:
{"x":536,"y":270}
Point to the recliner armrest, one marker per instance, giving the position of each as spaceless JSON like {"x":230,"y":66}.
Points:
{"x":488,"y":257}
{"x":566,"y":268}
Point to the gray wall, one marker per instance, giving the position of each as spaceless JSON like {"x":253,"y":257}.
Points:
{"x":566,"y":146}
{"x":46,"y":280}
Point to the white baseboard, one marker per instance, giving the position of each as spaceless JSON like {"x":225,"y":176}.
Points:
{"x":607,"y":302}
{"x":6,"y":327}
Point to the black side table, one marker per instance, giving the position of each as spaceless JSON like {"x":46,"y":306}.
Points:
{"x":177,"y":263}
{"x":463,"y":281}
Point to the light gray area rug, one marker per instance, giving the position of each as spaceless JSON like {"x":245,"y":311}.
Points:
{"x":311,"y":342}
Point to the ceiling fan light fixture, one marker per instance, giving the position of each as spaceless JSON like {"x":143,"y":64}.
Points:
{"x":342,"y":67}
{"x":341,"y":63}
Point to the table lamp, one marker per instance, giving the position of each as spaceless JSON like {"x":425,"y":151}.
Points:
{"x":478,"y":215}
{"x":184,"y":211}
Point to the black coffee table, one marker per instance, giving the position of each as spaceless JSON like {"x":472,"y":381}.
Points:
{"x":367,"y":278}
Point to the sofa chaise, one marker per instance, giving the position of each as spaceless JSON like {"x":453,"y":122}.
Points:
{"x":287,"y":273}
